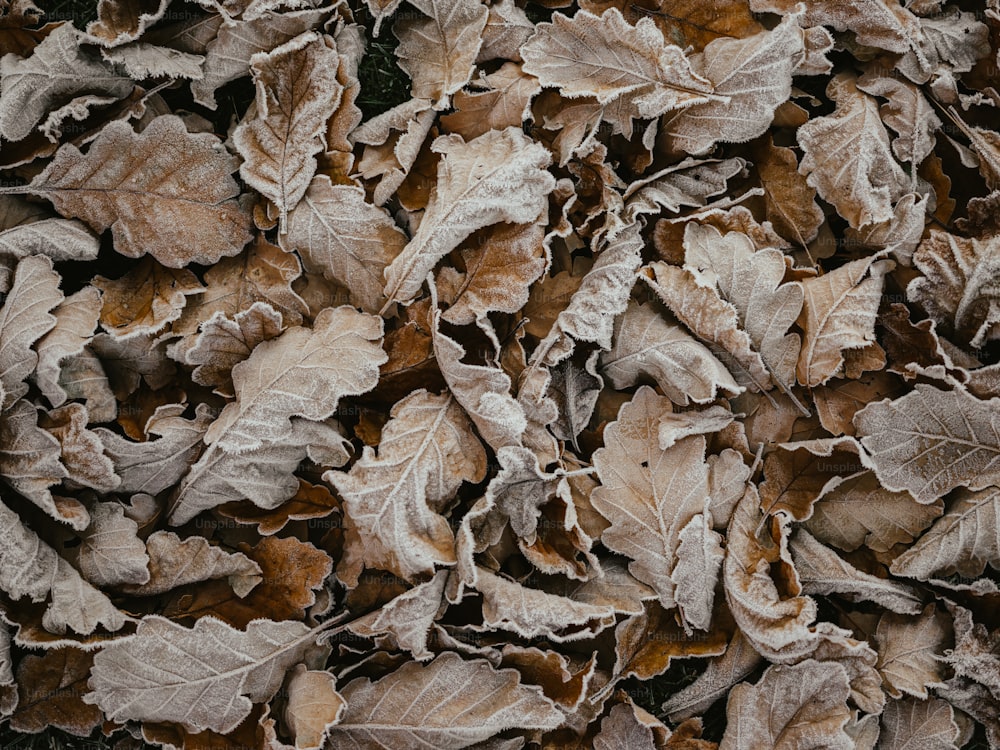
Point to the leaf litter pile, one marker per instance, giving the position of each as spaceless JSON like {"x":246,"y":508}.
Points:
{"x":633,"y":383}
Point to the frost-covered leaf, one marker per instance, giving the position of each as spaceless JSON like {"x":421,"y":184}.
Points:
{"x":111,"y":552}
{"x":960,"y":286}
{"x":447,"y":704}
{"x":930,"y":441}
{"x":911,"y":723}
{"x":313,"y":705}
{"x":607,"y":58}
{"x":438,"y":52}
{"x":699,"y":560}
{"x":393,"y":499}
{"x":145,"y":299}
{"x":648,"y":344}
{"x":203,"y":677}
{"x":498,"y":177}
{"x":848,"y":158}
{"x":649,"y":495}
{"x":175,"y":562}
{"x":76,"y":320}
{"x":838,"y":316}
{"x":302,"y":373}
{"x":297,"y":92}
{"x":31,"y":568}
{"x":180,"y":207}
{"x":791,"y":708}
{"x":750,"y":78}
{"x":339,"y":234}
{"x":24,"y":318}
{"x":57,"y":71}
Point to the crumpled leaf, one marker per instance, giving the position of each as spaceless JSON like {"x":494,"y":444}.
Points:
{"x":498,"y":177}
{"x":31,"y":568}
{"x":699,"y":560}
{"x":76,"y":320}
{"x":170,"y":673}
{"x":111,"y":552}
{"x":24,"y":318}
{"x":749,"y":79}
{"x":174,"y":562}
{"x":393,"y":499}
{"x":145,"y":299}
{"x":798,"y":706}
{"x":958,"y":288}
{"x":471,"y":702}
{"x":223,"y":343}
{"x":297,"y":92}
{"x":302,"y":372}
{"x":648,"y":344}
{"x":195,"y":216}
{"x":51,"y":686}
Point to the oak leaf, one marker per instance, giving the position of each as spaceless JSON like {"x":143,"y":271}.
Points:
{"x":186,"y":176}
{"x":798,"y":706}
{"x":930,"y":441}
{"x":501,"y":99}
{"x":169,"y":673}
{"x":474,"y":702}
{"x":51,"y":685}
{"x":649,"y":495}
{"x":838,"y":316}
{"x":145,"y":299}
{"x":297,"y":92}
{"x":908,"y":651}
{"x":110,"y":552}
{"x":57,"y":71}
{"x":339,"y":234}
{"x":696,"y":572}
{"x":607,"y":58}
{"x":394,"y":499}
{"x":313,"y":706}
{"x":499,"y":177}
{"x":438,"y":52}
{"x":174,"y":562}
{"x":302,"y":372}
{"x":76,"y":320}
{"x":749,"y":79}
{"x":848,"y":158}
{"x":909,"y":722}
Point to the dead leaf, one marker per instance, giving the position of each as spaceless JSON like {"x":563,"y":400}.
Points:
{"x":908,"y":651}
{"x":297,"y":92}
{"x":313,"y":705}
{"x":145,"y":299}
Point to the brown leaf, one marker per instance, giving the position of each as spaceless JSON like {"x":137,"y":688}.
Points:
{"x":839,"y":316}
{"x":908,"y":649}
{"x":110,"y":551}
{"x":24,"y":318}
{"x":721,"y":674}
{"x":310,"y":503}
{"x":847,"y":154}
{"x":407,"y":618}
{"x":393,"y":500}
{"x":51,"y":688}
{"x":503,"y":100}
{"x":790,"y":202}
{"x":913,"y":723}
{"x":170,"y":673}
{"x":649,"y":495}
{"x":313,"y":705}
{"x":174,"y":562}
{"x":145,"y":299}
{"x":921,"y":442}
{"x":348,"y":240}
{"x":223,"y":343}
{"x":472,"y":702}
{"x":185,"y":176}
{"x":798,"y":706}
{"x":438,"y":52}
{"x":749,"y":79}
{"x":297,"y":92}
{"x":628,"y":726}
{"x":498,"y":177}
